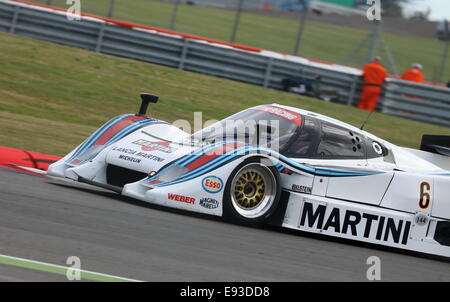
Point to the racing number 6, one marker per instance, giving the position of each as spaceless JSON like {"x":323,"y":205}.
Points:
{"x":425,"y":198}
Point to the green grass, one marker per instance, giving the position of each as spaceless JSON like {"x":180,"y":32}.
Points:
{"x":320,"y":41}
{"x":59,"y":270}
{"x":53,"y":96}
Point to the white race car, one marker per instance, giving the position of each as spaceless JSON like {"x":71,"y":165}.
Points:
{"x":286,"y":166}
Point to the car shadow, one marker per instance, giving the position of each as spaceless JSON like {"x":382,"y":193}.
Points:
{"x":135,"y":202}
{"x":266,"y":227}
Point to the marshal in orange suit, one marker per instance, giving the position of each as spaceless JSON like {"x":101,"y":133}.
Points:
{"x":374,"y":75}
{"x":414,"y":74}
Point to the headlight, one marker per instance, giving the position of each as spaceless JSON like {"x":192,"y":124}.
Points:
{"x":172,"y":173}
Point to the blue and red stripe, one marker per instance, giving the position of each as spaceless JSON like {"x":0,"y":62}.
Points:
{"x":109,"y":133}
{"x":205,"y":161}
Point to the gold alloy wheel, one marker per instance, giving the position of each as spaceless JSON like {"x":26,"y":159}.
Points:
{"x":249,"y":189}
{"x":253,"y":190}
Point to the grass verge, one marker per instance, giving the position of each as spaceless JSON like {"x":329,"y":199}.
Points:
{"x":53,"y":96}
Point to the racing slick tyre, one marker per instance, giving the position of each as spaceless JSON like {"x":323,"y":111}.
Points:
{"x":252,"y":192}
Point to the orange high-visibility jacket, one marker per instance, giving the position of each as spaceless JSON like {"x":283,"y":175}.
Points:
{"x":373,"y":77}
{"x":374,"y":74}
{"x":413,"y":75}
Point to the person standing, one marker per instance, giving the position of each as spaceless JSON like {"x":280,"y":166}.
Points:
{"x":414,"y":74}
{"x":374,"y":75}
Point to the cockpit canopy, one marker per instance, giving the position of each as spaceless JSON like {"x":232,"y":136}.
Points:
{"x":293,"y":135}
{"x":267,"y":126}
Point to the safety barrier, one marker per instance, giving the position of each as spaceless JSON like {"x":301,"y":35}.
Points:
{"x":417,"y":101}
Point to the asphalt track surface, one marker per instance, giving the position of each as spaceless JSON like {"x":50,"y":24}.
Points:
{"x":49,"y":220}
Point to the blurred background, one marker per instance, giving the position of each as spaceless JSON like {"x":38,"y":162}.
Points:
{"x":330,"y":30}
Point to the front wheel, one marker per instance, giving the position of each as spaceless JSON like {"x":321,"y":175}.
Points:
{"x":252,"y":192}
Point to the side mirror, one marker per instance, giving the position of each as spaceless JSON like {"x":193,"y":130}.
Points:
{"x":146,"y":99}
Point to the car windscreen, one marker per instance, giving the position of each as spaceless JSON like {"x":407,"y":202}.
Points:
{"x":275,"y":126}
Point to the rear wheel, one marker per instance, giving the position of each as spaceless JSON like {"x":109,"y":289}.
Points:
{"x":252,"y":192}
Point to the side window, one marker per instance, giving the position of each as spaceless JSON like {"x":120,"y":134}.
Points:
{"x":337,"y":142}
{"x":304,"y":143}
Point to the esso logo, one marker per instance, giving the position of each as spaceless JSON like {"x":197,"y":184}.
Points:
{"x":212,"y":184}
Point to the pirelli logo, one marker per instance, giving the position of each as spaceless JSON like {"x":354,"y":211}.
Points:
{"x":357,"y":224}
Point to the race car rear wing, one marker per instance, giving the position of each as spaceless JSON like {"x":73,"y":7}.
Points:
{"x":438,"y":144}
